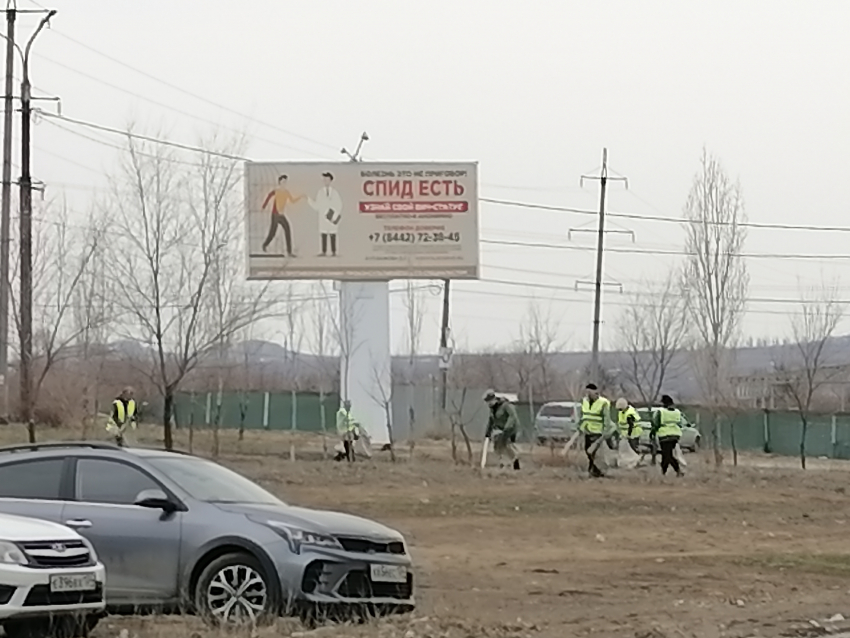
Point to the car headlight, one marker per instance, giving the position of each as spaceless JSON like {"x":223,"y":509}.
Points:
{"x":11,"y":554}
{"x":298,"y":537}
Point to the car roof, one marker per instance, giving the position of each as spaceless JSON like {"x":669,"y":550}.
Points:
{"x":53,"y":449}
{"x":563,"y":404}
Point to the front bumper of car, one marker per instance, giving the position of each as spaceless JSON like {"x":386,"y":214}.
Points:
{"x":26,"y":592}
{"x":328,"y":578}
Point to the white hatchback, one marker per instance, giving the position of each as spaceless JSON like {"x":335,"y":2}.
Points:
{"x":51,"y":581}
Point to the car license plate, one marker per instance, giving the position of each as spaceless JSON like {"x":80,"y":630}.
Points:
{"x":388,"y":573}
{"x":72,"y":582}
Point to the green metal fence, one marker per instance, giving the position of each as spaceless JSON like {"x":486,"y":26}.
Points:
{"x":754,"y":431}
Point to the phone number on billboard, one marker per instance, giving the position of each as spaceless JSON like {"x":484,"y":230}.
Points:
{"x":414,"y":238}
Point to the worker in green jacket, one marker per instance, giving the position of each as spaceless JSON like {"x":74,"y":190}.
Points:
{"x":628,"y":421}
{"x":596,"y":424}
{"x":502,"y":427}
{"x":667,"y":428}
{"x":348,"y":431}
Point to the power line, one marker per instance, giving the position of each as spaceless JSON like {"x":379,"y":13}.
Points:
{"x":170,"y":107}
{"x":648,"y":251}
{"x":145,"y":138}
{"x":184,"y":91}
{"x":660,"y":218}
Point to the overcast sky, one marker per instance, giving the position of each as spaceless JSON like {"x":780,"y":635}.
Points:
{"x":531,"y":90}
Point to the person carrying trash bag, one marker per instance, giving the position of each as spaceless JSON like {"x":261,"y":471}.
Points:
{"x":596,"y":425}
{"x":502,"y":427}
{"x":628,"y":421}
{"x":667,"y":428}
{"x":348,"y":431}
{"x":123,"y":415}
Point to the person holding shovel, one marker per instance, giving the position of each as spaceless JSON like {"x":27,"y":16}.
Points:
{"x":596,"y":425}
{"x":502,"y":427}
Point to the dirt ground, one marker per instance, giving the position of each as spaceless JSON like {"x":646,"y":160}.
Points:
{"x":756,"y":550}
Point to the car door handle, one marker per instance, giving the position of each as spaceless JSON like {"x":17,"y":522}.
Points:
{"x":78,"y":523}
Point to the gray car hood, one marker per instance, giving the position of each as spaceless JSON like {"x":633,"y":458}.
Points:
{"x":319,"y":521}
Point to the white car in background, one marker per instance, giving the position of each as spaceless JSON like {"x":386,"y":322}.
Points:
{"x":51,"y":581}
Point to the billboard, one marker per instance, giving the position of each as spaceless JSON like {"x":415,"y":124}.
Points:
{"x":362,"y":220}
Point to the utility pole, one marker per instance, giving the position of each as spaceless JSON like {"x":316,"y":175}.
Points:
{"x":5,"y":212}
{"x":600,"y":250}
{"x":26,"y":238}
{"x":444,"y":346}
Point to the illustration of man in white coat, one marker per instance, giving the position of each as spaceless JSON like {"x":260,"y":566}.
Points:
{"x":329,"y":206}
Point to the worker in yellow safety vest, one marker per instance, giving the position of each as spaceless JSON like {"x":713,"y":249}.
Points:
{"x":667,"y":427}
{"x":348,"y":430}
{"x":595,"y":424}
{"x":123,"y":415}
{"x":628,"y":421}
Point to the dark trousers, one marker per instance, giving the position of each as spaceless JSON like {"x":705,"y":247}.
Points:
{"x":668,"y":459}
{"x":634,"y":444}
{"x":348,"y":452}
{"x":279,"y":220}
{"x":589,"y":440}
{"x":325,"y":243}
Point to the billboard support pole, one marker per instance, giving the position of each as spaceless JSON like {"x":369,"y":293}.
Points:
{"x":370,"y":298}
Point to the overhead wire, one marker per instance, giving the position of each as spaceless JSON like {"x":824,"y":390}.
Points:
{"x":185,"y":91}
{"x":171,"y":107}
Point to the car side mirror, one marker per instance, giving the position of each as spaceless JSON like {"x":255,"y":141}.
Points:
{"x":155,"y":499}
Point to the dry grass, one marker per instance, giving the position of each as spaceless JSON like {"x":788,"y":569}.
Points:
{"x":547,"y":552}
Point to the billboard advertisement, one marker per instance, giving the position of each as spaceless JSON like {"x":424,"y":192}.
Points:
{"x":362,"y":220}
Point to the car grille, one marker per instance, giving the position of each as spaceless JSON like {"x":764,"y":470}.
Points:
{"x":370,"y":547}
{"x":357,"y":584}
{"x":49,"y":554}
{"x":41,"y":595}
{"x":314,"y":576}
{"x":6,"y":593}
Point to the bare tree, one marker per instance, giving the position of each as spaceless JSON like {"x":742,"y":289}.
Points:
{"x":344,"y":319}
{"x":63,"y":258}
{"x":811,"y":367}
{"x":328,"y":368}
{"x":383,"y":396}
{"x":414,"y":305}
{"x":651,"y":332}
{"x":462,"y":408}
{"x":93,"y":318}
{"x":539,"y":331}
{"x":176,"y":222}
{"x":295,"y":339}
{"x":715,"y":274}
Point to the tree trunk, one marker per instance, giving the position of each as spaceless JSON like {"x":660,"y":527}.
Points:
{"x":243,"y":414}
{"x":454,"y":441}
{"x":734,"y":443}
{"x":718,"y":450}
{"x":293,"y":418}
{"x":387,"y":410}
{"x":411,"y":438}
{"x":323,"y":419}
{"x":31,"y":431}
{"x":167,"y":410}
{"x":217,"y":423}
{"x":803,"y":434}
{"x":467,"y":442}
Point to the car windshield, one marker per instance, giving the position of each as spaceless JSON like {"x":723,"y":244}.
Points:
{"x":557,"y":411}
{"x":207,"y":481}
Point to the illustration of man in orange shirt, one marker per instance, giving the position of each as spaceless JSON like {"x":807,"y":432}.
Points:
{"x":280,"y":197}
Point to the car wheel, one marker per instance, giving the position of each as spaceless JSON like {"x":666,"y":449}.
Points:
{"x":697,"y":444}
{"x":234,"y":590}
